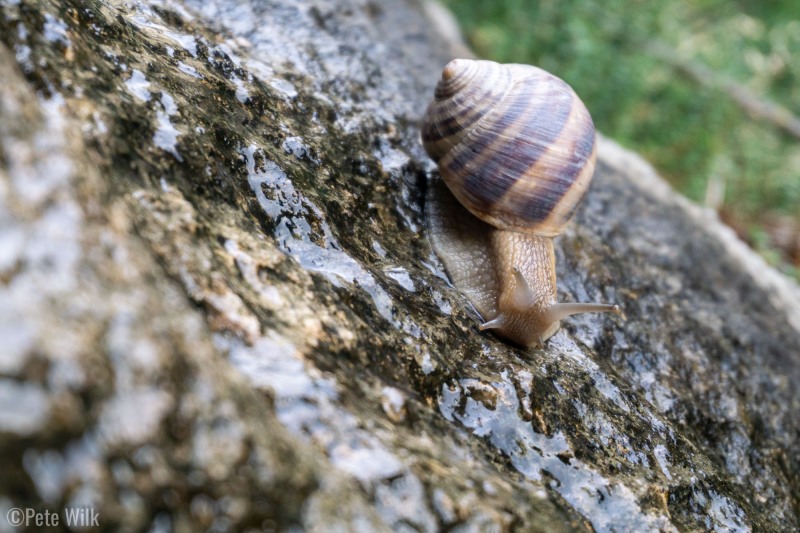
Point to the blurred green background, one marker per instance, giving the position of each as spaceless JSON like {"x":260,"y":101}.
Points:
{"x":706,"y":90}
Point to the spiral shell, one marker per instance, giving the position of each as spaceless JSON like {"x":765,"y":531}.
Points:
{"x":513,"y":143}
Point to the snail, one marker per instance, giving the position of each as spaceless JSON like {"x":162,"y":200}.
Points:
{"x":516,"y":147}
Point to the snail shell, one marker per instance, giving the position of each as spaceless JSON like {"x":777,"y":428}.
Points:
{"x":516,"y":147}
{"x":514,"y":144}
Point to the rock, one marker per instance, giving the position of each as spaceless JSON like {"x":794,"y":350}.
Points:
{"x":219,"y":309}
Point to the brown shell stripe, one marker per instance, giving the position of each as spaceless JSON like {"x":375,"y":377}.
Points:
{"x":578,"y":189}
{"x":444,"y":124}
{"x":549,"y":194}
{"x":458,"y":114}
{"x":514,"y":154}
{"x":446,"y":88}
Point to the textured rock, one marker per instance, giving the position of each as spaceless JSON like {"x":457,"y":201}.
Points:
{"x":219,"y":310}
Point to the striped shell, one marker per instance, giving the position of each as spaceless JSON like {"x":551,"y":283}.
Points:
{"x":514,"y":144}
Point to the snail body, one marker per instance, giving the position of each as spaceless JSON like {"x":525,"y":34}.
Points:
{"x":516,"y":148}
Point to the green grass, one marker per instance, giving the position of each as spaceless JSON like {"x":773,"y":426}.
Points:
{"x":621,"y":57}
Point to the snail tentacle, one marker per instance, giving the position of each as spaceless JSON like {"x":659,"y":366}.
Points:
{"x":523,"y":296}
{"x":495,"y":323}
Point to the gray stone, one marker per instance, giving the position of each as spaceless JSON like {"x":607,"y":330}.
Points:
{"x":220,"y":310}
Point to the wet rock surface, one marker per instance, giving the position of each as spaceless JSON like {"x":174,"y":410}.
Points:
{"x":219,"y":309}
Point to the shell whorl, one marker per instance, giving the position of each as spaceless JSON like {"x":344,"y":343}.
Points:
{"x":514,"y":144}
